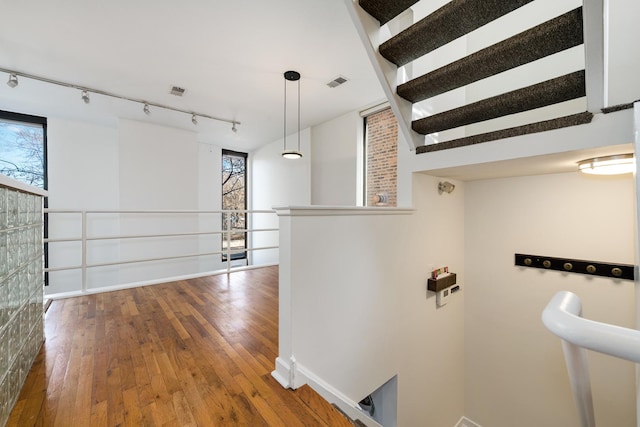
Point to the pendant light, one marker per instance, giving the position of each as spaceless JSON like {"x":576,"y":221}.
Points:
{"x":291,"y":76}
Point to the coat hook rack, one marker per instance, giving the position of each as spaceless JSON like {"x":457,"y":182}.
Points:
{"x":568,"y":265}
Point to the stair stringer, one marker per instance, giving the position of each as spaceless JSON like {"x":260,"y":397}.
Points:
{"x":369,"y":32}
{"x":594,"y":18}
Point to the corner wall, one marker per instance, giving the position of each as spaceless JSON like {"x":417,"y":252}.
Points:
{"x":515,"y":369}
{"x":334,"y":161}
{"x":355,"y":307}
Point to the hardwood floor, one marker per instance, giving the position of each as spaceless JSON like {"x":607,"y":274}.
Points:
{"x":188,"y":353}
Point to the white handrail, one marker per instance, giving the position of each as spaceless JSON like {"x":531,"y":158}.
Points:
{"x":563,"y":317}
{"x":227,"y":250}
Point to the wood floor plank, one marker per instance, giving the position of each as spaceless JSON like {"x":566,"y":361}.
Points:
{"x":195,"y":352}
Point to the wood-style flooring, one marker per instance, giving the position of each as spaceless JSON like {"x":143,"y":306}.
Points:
{"x":189,"y":353}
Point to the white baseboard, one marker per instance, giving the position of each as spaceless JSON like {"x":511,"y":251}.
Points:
{"x":103,"y":289}
{"x":291,"y":374}
{"x":303,"y":376}
{"x":282,"y":373}
{"x":466,"y":422}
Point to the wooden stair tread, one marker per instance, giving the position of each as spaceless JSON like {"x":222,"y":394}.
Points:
{"x":453,"y":20}
{"x":553,"y":91}
{"x":555,"y":35}
{"x":385,"y":10}
{"x":324,"y":409}
{"x":543,"y":126}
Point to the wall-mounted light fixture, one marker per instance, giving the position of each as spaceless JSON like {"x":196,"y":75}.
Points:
{"x":146,"y":109}
{"x":445,"y":187}
{"x":85,"y":97}
{"x":291,"y":76}
{"x":13,"y":80}
{"x":609,"y":165}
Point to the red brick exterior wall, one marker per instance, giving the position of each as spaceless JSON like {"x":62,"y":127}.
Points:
{"x":382,"y":156}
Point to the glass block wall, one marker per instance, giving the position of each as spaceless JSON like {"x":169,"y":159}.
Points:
{"x":21,"y":291}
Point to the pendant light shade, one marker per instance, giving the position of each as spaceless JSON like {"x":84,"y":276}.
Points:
{"x":291,"y":76}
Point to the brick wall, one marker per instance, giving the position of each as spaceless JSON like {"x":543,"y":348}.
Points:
{"x":382,"y":156}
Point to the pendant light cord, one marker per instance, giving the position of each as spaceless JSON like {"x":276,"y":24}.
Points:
{"x":285,"y":115}
{"x":298,"y":115}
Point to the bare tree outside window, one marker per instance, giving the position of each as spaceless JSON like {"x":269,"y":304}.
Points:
{"x":234,"y":197}
{"x":22,"y":154}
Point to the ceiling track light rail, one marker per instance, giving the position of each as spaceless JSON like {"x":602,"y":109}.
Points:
{"x":13,"y":82}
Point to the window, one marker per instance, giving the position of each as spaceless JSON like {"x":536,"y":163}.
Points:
{"x":23,"y":148}
{"x":234,"y":197}
{"x":23,"y":156}
{"x":381,"y":158}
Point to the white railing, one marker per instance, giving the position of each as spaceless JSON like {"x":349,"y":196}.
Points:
{"x":562,"y":316}
{"x":113,"y":220}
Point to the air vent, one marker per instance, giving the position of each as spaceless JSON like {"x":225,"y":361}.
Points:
{"x":337,"y":81}
{"x":177,"y":91}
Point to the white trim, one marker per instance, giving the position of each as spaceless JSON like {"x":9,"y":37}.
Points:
{"x":594,"y":52}
{"x":330,"y":394}
{"x":375,"y":109}
{"x":466,"y":422}
{"x":282,"y":373}
{"x":369,"y":31}
{"x":103,"y":289}
{"x":18,"y":185}
{"x":339,"y":210}
{"x":636,"y":129}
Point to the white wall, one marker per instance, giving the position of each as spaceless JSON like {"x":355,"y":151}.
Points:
{"x":209,"y":178}
{"x":361,"y":310}
{"x":134,"y":165}
{"x":515,"y":371}
{"x":334,"y":162}
{"x":83,"y":174}
{"x":158,"y":170}
{"x":277,"y":181}
{"x":623,"y":58}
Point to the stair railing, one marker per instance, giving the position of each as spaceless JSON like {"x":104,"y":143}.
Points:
{"x":563,"y":317}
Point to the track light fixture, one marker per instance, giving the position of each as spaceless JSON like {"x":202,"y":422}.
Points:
{"x":146,"y":109}
{"x":194,"y":119}
{"x":13,"y":80}
{"x":291,"y":76}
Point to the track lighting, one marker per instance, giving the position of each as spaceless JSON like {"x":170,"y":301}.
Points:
{"x":13,"y":80}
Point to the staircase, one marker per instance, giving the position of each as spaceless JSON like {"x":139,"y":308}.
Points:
{"x":328,"y":413}
{"x":458,"y":18}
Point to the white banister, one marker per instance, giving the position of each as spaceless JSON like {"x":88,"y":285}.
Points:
{"x":562,"y":316}
{"x":161,"y":238}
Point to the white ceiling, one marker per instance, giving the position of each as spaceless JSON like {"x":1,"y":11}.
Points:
{"x":229,"y":55}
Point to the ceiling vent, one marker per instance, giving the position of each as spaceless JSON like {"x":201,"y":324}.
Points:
{"x":177,"y":91}
{"x":337,"y":81}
